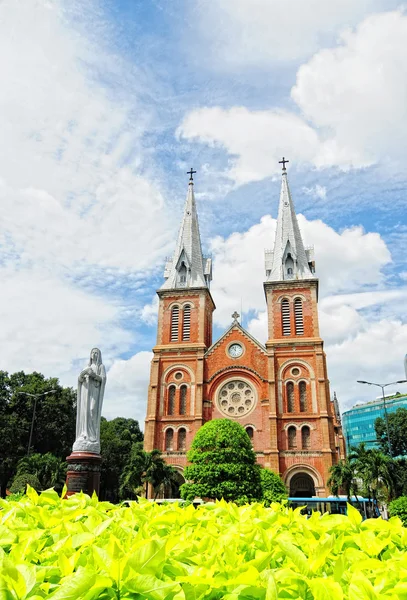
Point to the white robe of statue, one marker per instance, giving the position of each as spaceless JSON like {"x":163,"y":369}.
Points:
{"x":91,"y":389}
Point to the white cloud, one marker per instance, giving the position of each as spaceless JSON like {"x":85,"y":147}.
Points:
{"x":48,"y":325}
{"x":345,"y":261}
{"x":257,"y":33}
{"x":351,"y":109}
{"x":126,"y":387}
{"x":317,"y":191}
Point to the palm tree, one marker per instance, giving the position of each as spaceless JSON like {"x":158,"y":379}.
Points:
{"x":343,"y":478}
{"x":374,"y":469}
{"x":48,"y":468}
{"x":157,"y":472}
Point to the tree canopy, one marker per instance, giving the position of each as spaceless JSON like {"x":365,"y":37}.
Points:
{"x":54,"y":424}
{"x":223,"y":464}
{"x":398,"y":432}
{"x":272,"y":486}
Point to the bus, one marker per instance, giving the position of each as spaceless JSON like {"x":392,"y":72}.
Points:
{"x":336,"y":505}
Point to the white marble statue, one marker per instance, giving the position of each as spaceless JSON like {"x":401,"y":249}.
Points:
{"x":91,"y":388}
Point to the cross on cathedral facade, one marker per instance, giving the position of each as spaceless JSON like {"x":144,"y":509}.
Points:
{"x":278,"y":391}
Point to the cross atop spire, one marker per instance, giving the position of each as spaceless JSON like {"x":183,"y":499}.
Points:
{"x":282,"y":162}
{"x":190,"y":173}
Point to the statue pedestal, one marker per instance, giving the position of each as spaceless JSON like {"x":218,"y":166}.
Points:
{"x":83,"y":473}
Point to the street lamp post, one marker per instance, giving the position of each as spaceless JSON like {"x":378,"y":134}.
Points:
{"x":382,"y":386}
{"x":35,"y":396}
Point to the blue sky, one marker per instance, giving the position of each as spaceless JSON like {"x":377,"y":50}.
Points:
{"x":104,"y":107}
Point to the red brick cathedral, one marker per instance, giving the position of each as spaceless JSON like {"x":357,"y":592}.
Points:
{"x":279,"y":391}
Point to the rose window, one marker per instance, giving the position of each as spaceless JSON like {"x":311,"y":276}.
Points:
{"x":236,"y":398}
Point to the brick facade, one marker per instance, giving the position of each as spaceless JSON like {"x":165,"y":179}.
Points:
{"x":279,"y":392}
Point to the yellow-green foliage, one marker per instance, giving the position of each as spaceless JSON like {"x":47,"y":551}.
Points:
{"x":83,"y":549}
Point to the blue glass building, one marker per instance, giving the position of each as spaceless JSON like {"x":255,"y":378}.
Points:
{"x":358,"y":422}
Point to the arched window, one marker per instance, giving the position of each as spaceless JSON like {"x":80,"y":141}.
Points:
{"x":292,"y":437}
{"x":171,"y":400}
{"x":249,"y":431}
{"x":289,"y":265}
{"x":290,"y":396}
{"x":303,"y":396}
{"x":183,"y":400}
{"x":306,"y":438}
{"x":169,"y":440}
{"x":174,"y":324}
{"x":285,"y":317}
{"x":186,"y":323}
{"x":182,"y":439}
{"x":298,"y":317}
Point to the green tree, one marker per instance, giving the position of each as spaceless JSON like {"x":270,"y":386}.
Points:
{"x":54,"y":424}
{"x":272,"y":486}
{"x":131,"y":479}
{"x":223,"y":464}
{"x":117,"y":438}
{"x":21,"y":481}
{"x":343,"y":478}
{"x":398,"y":432}
{"x":157,"y":473}
{"x":373,"y":468}
{"x":398,"y":508}
{"x":50,"y":470}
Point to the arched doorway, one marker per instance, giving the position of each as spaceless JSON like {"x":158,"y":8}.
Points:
{"x":302,"y":486}
{"x":173,"y":490}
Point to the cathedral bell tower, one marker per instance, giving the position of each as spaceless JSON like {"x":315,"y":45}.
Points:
{"x":184,"y":333}
{"x":307,"y":435}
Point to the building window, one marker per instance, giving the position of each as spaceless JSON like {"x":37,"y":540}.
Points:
{"x":249,"y":431}
{"x":306,"y":438}
{"x":290,"y":396}
{"x":182,"y":439}
{"x":171,"y":400}
{"x":183,"y":400}
{"x":298,"y":316}
{"x":174,"y":324}
{"x":285,"y":317}
{"x":169,"y":440}
{"x":182,"y":275}
{"x":186,"y":323}
{"x":303,"y":396}
{"x":292,"y":437}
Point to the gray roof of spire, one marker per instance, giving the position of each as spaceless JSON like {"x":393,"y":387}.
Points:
{"x":288,"y":239}
{"x":189,"y":251}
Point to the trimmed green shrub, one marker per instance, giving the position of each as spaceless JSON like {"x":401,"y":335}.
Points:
{"x":21,"y":481}
{"x":223,"y":464}
{"x":273,"y":488}
{"x":398,"y":508}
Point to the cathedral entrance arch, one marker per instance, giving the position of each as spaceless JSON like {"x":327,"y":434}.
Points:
{"x":302,"y":486}
{"x":172,"y":490}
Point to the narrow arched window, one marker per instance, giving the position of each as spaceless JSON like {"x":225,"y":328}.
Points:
{"x":298,"y":317}
{"x":306,"y":437}
{"x":290,"y":396}
{"x":183,"y":400}
{"x":285,"y":317}
{"x":171,"y":400}
{"x":292,"y":437}
{"x":186,"y":323}
{"x":182,"y":275}
{"x":169,"y":440}
{"x":249,"y":431}
{"x":182,"y":439}
{"x":174,"y":323}
{"x":303,"y":396}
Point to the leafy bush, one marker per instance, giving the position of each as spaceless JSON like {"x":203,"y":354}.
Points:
{"x":223,"y":464}
{"x":21,"y":481}
{"x":273,"y":488}
{"x":398,"y":508}
{"x":80,"y":548}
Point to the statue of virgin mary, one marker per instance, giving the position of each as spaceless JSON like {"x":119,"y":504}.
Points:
{"x":91,"y":389}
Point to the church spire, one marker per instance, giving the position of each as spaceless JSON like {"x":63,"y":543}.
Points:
{"x":188,"y":268}
{"x":289,"y":259}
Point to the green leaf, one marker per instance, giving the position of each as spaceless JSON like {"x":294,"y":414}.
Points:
{"x":325,"y":589}
{"x":75,"y":586}
{"x":148,"y":558}
{"x":151,"y":587}
{"x":354,"y":515}
{"x":295,"y":554}
{"x":360,"y":588}
{"x":271,"y":590}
